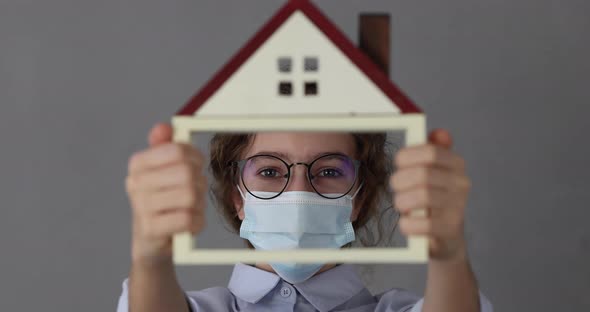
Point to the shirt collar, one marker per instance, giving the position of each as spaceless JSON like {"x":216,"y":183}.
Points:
{"x":251,"y":283}
{"x":324,"y":291}
{"x":331,"y":288}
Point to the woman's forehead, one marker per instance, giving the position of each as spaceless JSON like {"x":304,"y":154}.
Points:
{"x":302,"y":146}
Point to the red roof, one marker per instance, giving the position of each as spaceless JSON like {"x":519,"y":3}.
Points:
{"x":364,"y":63}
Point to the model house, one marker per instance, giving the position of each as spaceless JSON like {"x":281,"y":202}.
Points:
{"x":300,"y":63}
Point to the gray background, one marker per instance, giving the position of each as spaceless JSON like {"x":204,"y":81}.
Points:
{"x":81,"y":82}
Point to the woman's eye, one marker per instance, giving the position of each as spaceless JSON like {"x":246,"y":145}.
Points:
{"x":329,"y":173}
{"x":269,"y":173}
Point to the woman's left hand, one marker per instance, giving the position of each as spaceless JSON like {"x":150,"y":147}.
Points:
{"x":432,"y":178}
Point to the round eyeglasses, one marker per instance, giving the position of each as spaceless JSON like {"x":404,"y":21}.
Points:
{"x":267,"y":176}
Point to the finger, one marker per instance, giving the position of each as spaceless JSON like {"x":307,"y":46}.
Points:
{"x":159,"y":134}
{"x":183,"y":198}
{"x":196,"y":157}
{"x":429,"y":154}
{"x":437,"y":226}
{"x":202,"y":184}
{"x":420,"y":199}
{"x":163,"y":155}
{"x":200,"y":222}
{"x":173,"y":223}
{"x":412,"y":177}
{"x":441,"y":137}
{"x":176,"y":175}
{"x":415,"y":225}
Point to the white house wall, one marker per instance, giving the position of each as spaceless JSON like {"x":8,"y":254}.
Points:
{"x":253,"y":89}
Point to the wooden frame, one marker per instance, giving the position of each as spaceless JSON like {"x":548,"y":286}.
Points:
{"x":415,"y":129}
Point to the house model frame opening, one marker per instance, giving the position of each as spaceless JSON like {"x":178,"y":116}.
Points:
{"x":301,"y":73}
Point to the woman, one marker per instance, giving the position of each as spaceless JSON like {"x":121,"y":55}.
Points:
{"x":167,"y":191}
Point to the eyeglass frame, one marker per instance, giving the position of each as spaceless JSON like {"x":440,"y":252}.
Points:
{"x":241,"y":163}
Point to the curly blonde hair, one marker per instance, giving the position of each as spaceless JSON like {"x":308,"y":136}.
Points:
{"x":372,"y":149}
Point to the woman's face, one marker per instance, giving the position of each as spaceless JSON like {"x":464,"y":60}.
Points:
{"x":299,"y":147}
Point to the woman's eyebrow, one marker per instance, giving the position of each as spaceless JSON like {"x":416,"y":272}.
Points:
{"x":276,"y":154}
{"x":318,"y":155}
{"x":287,"y":158}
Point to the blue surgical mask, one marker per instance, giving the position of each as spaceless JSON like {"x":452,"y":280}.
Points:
{"x":296,"y":220}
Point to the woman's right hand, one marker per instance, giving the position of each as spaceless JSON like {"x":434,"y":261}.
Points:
{"x":166,"y":190}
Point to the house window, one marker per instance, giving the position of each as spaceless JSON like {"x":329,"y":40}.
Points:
{"x":285,"y":88}
{"x":311,"y":88}
{"x":284,"y":64}
{"x":311,"y":64}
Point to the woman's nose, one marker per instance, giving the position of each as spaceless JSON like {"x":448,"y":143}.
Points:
{"x":298,"y":180}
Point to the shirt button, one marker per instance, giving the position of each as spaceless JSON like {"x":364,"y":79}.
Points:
{"x":285,"y":292}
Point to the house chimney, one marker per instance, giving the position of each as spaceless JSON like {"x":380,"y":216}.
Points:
{"x":374,"y":37}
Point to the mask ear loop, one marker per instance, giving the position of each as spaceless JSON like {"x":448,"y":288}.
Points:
{"x":357,"y":190}
{"x":244,"y":200}
{"x":240,"y":190}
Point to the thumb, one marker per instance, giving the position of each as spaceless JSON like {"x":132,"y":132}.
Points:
{"x":441,"y":137}
{"x":160,"y":133}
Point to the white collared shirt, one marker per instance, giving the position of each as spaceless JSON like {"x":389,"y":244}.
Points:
{"x":337,"y":289}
